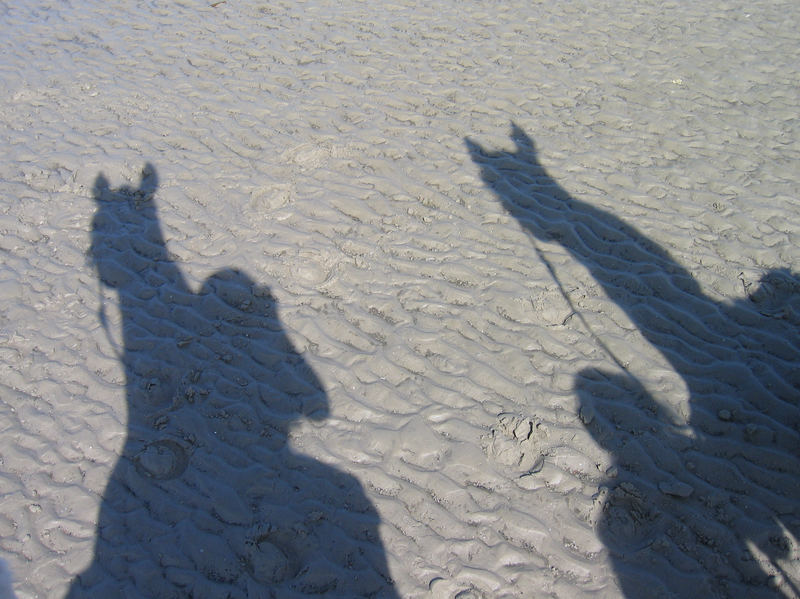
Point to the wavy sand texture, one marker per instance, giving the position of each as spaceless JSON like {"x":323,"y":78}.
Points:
{"x":410,"y":299}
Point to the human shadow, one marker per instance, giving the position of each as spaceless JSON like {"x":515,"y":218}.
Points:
{"x":708,"y":508}
{"x":208,"y":499}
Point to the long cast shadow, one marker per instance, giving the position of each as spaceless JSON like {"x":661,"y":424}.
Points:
{"x":712,"y":511}
{"x":208,"y":499}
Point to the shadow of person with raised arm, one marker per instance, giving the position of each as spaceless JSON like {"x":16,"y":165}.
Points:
{"x":711,"y":509}
{"x":208,"y":499}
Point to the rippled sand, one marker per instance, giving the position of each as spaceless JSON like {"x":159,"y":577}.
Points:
{"x":356,"y":299}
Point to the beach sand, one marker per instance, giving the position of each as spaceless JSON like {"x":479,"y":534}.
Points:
{"x":407,"y":299}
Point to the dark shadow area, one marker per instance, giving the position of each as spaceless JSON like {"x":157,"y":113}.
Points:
{"x":714,"y":510}
{"x":208,"y":499}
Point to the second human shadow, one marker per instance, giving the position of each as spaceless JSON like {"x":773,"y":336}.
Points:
{"x":708,"y":510}
{"x":208,"y":498}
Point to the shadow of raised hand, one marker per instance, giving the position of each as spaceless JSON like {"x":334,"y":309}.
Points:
{"x":208,"y":498}
{"x":712,"y":509}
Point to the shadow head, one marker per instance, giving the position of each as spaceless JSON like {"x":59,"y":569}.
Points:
{"x":123,"y":214}
{"x":232,"y":297}
{"x":524,"y":153}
